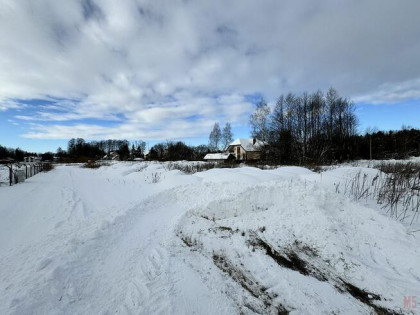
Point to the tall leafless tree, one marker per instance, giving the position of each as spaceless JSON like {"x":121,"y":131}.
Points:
{"x":259,"y":121}
{"x":227,"y":135}
{"x":215,"y":137}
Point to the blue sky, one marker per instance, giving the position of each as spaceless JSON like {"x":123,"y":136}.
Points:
{"x":157,"y":71}
{"x":389,"y":116}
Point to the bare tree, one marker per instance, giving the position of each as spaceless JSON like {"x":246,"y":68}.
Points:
{"x":140,"y":146}
{"x":215,"y":137}
{"x":259,"y":121}
{"x":227,"y":135}
{"x":312,"y":127}
{"x":332,"y":104}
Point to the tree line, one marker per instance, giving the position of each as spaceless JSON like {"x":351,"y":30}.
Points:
{"x":322,"y":128}
{"x":176,"y":151}
{"x":391,"y":144}
{"x":306,"y":128}
{"x":80,"y":150}
{"x":15,"y":154}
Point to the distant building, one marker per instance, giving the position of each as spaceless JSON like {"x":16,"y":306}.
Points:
{"x":219,"y":157}
{"x":32,"y":159}
{"x":247,"y":149}
{"x":114,"y":156}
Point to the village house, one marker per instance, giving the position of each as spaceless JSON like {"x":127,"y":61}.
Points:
{"x":113,"y":155}
{"x":247,"y":149}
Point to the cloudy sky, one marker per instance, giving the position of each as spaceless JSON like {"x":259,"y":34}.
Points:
{"x":158,"y":70}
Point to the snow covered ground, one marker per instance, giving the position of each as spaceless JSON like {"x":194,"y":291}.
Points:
{"x":4,"y":173}
{"x":137,"y":238}
{"x":4,"y":176}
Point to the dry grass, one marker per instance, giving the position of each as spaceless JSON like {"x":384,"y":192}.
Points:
{"x":191,"y":168}
{"x":94,"y":164}
{"x":396,"y":189}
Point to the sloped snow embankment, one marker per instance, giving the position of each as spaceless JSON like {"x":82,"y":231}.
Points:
{"x":291,"y":245}
{"x":139,"y":239}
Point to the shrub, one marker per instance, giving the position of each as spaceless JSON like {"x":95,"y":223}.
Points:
{"x":94,"y":164}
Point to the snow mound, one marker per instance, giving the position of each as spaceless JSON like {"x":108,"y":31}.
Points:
{"x":290,"y":246}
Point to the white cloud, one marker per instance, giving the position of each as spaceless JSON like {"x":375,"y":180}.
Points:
{"x":392,"y":93}
{"x":152,"y":65}
{"x":9,"y":104}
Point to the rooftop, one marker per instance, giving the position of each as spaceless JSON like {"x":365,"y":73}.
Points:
{"x":248,"y":144}
{"x":217,"y":156}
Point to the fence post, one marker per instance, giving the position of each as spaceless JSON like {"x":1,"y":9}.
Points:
{"x":10,"y":175}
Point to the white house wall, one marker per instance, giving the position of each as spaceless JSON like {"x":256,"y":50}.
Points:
{"x":244,"y":155}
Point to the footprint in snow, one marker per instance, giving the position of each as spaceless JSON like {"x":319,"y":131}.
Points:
{"x":43,"y":264}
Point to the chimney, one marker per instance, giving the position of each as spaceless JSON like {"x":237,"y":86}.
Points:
{"x":253,"y":141}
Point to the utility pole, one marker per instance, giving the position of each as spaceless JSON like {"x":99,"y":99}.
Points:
{"x":370,"y":146}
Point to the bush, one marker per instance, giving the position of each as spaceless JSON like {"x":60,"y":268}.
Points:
{"x":94,"y":164}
